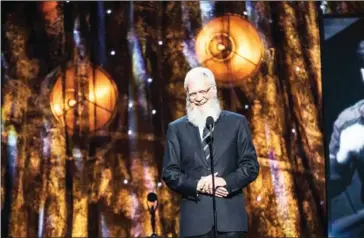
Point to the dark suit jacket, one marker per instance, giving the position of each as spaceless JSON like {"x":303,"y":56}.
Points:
{"x":184,"y":164}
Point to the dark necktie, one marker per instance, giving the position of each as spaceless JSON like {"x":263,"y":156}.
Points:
{"x":205,"y":142}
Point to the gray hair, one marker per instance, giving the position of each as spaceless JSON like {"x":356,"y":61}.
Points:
{"x":199,"y":73}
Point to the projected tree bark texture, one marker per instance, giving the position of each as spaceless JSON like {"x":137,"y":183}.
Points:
{"x":274,"y":189}
{"x":310,"y":153}
{"x":49,"y":188}
{"x":20,"y":71}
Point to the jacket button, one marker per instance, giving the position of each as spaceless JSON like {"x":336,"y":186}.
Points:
{"x":209,"y":169}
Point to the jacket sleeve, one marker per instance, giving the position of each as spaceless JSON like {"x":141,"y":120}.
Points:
{"x":248,"y":166}
{"x":172,"y":174}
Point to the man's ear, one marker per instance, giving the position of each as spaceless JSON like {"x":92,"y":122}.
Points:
{"x":214,"y":88}
{"x":216,"y":92}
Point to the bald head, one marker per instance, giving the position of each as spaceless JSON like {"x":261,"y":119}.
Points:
{"x":199,"y":74}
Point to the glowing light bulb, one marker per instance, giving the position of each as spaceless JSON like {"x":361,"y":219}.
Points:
{"x":57,"y":109}
{"x":72,"y":102}
{"x":221,"y":47}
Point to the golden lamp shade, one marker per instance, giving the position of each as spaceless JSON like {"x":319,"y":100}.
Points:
{"x":87,"y":108}
{"x":49,"y":10}
{"x":230,"y":47}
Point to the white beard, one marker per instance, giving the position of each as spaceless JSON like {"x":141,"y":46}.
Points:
{"x":197,"y":116}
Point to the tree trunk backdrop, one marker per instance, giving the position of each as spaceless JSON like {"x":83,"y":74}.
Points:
{"x":57,"y":184}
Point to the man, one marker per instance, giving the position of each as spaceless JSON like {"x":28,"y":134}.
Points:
{"x":346,"y":157}
{"x":347,"y":173}
{"x":186,"y":165}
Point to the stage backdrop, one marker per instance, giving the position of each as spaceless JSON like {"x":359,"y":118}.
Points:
{"x":66,"y":180}
{"x":343,"y":100}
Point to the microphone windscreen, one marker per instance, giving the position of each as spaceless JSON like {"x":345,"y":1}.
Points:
{"x":209,"y":122}
{"x":152,"y":197}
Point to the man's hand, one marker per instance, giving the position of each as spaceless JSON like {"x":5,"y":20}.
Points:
{"x":219,"y":182}
{"x":221,"y":192}
{"x":205,"y":186}
{"x":351,"y":141}
{"x":202,"y":185}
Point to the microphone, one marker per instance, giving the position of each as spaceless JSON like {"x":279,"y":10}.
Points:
{"x":152,"y":199}
{"x":210,"y":123}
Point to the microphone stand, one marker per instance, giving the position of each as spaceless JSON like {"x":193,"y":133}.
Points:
{"x":213,"y":181}
{"x":152,"y":220}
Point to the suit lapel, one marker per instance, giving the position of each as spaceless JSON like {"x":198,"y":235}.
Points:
{"x":196,"y":140}
{"x":218,"y":141}
{"x":219,"y":138}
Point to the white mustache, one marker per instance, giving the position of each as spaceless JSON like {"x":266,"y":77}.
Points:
{"x":197,"y":116}
{"x":202,"y":102}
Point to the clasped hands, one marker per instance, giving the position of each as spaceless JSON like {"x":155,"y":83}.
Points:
{"x":204,"y":185}
{"x":351,"y":143}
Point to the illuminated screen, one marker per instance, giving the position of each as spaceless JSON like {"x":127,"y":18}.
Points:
{"x":343,"y":98}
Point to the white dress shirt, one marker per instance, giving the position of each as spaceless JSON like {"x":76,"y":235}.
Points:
{"x":201,"y":132}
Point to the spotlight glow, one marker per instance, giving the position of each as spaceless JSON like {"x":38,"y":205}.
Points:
{"x":108,"y":11}
{"x":221,"y":47}
{"x":207,"y":11}
{"x":187,"y":44}
{"x":72,"y":102}
{"x":154,"y":111}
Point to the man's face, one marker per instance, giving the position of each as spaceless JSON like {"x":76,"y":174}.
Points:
{"x":202,"y":101}
{"x":200,"y":91}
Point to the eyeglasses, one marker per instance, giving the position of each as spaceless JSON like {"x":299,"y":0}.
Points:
{"x":203,"y":93}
